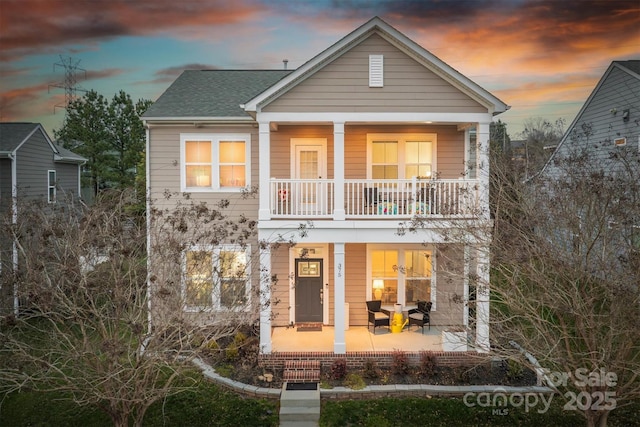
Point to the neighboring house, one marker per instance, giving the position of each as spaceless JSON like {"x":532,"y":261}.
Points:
{"x":32,"y":168}
{"x":367,"y":134}
{"x":609,"y":120}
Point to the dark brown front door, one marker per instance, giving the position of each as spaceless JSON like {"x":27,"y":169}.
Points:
{"x":308,"y":290}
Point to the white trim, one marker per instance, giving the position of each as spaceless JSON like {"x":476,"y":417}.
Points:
{"x":376,"y":70}
{"x":216,"y":281}
{"x":52,"y":186}
{"x":402,"y":138}
{"x":306,"y":142}
{"x":215,"y":139}
{"x":371,"y":117}
{"x":399,"y":40}
{"x":293,"y":255}
{"x":400,"y":249}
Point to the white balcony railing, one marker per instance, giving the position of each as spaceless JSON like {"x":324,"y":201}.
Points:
{"x":379,"y":199}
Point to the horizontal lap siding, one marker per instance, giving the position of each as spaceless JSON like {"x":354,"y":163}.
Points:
{"x":34,"y":158}
{"x":450,"y":148}
{"x":281,"y":147}
{"x":280,"y":292}
{"x":449,"y":285}
{"x":67,"y":176}
{"x":164,"y":168}
{"x":343,"y":86}
{"x":355,"y":292}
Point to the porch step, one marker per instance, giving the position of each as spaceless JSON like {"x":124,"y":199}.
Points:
{"x":299,"y":407}
{"x":301,"y":371}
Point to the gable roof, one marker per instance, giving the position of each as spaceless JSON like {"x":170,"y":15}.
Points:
{"x":630,"y":67}
{"x":378,"y":26}
{"x":207,"y":94}
{"x":13,"y":135}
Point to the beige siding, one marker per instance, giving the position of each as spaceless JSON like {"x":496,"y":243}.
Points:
{"x":355,"y":292}
{"x":281,"y":147}
{"x":449,"y":285}
{"x":164,"y":166}
{"x":449,"y":150}
{"x":281,"y":304}
{"x":343,"y":86}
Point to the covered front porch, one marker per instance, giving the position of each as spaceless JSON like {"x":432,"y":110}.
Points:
{"x":358,"y":338}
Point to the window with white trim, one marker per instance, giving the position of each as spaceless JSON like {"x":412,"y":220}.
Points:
{"x":215,"y":162}
{"x":401,"y":156}
{"x":401,"y":275}
{"x":216,"y":278}
{"x":51,"y":186}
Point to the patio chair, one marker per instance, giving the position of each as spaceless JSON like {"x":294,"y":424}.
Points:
{"x":377,"y":316}
{"x":419,"y":316}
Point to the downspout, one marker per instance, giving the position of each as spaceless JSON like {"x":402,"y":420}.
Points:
{"x":148,"y":226}
{"x":14,"y":221}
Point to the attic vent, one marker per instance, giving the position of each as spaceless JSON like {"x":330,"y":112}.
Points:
{"x":376,"y":71}
{"x":619,"y":142}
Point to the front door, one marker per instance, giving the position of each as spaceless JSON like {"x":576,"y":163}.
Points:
{"x":308,"y":290}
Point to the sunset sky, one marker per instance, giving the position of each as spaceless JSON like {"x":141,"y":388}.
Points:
{"x":543,"y":58}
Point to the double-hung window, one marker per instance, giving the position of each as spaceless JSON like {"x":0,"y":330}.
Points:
{"x":216,"y":278}
{"x":51,"y":186}
{"x":400,"y":274}
{"x":215,"y":162}
{"x":401,"y":156}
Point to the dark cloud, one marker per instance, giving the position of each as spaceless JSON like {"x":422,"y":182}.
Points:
{"x":32,"y":26}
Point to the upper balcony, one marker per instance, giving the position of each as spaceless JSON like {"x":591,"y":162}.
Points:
{"x":374,"y":199}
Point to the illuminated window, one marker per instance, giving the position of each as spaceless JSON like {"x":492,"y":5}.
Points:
{"x":400,"y":274}
{"x":418,"y":276}
{"x":401,"y":156}
{"x":51,"y":186}
{"x":216,"y":278}
{"x":215,"y":162}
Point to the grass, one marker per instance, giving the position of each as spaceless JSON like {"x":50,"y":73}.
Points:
{"x":207,"y":405}
{"x":452,"y":411}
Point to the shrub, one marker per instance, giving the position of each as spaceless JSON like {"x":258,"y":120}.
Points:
{"x":239,"y":339}
{"x":514,"y":370}
{"x":371,"y":370}
{"x":232,"y":352}
{"x":354,"y":382}
{"x":400,"y":364}
{"x":338,"y":369}
{"x":427,"y":364}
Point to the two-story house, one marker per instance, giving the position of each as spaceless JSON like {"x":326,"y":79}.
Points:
{"x":371,"y":132}
{"x":32,"y":168}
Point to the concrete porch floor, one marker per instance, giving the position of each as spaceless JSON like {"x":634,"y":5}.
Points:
{"x":358,"y":338}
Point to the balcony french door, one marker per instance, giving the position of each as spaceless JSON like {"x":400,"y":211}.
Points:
{"x":309,"y":166}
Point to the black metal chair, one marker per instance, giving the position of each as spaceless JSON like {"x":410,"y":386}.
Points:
{"x":421,"y":315}
{"x":370,"y":196}
{"x":377,"y":316}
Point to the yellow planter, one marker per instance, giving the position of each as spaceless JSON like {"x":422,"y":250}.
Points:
{"x":398,"y":323}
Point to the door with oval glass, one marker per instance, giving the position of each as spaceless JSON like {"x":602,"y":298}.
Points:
{"x":309,"y":291}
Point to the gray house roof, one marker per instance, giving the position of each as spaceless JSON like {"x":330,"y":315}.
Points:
{"x":212,"y":93}
{"x":13,"y":135}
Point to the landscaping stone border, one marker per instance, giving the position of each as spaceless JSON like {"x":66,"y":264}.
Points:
{"x":368,"y":392}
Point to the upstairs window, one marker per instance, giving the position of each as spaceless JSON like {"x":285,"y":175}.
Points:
{"x":215,"y":162}
{"x":51,"y":186}
{"x":401,"y":156}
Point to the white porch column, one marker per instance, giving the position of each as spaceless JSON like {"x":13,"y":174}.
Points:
{"x":482,"y":300}
{"x":265,"y":299}
{"x":264,"y":165}
{"x":339,"y":342}
{"x":482,"y":166}
{"x":338,"y":171}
